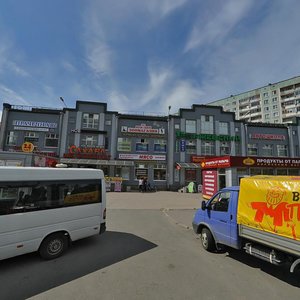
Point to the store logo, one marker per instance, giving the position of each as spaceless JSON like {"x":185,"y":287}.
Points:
{"x":248,"y":161}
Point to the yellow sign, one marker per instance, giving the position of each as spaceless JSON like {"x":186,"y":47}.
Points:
{"x":27,"y":147}
{"x":271,"y":203}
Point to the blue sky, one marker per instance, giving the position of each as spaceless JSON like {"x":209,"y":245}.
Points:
{"x":141,"y":56}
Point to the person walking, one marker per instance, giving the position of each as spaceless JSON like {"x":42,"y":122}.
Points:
{"x":145,"y":184}
{"x":141,"y":184}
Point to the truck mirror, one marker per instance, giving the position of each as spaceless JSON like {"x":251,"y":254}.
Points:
{"x":203,"y":205}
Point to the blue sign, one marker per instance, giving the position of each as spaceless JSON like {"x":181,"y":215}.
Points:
{"x":182,"y":145}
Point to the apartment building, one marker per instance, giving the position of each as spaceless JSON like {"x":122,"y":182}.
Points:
{"x":277,"y":103}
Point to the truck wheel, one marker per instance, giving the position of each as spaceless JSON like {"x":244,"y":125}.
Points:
{"x":53,"y":246}
{"x":207,"y":240}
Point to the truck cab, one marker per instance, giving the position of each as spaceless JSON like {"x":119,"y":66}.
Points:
{"x":216,"y":220}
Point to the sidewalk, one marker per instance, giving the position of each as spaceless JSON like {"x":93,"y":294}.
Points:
{"x":156,"y":200}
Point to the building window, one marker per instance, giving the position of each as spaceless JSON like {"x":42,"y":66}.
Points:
{"x":207,"y":124}
{"x":282,"y":150}
{"x":32,"y":137}
{"x":12,"y":138}
{"x":89,"y":140}
{"x":190,"y":175}
{"x":190,"y":147}
{"x":276,"y":114}
{"x":90,"y":121}
{"x":207,"y":148}
{"x":142,"y":146}
{"x":123,"y":172}
{"x":223,"y":128}
{"x":252,"y":149}
{"x":266,"y":108}
{"x":108,"y":122}
{"x":274,"y":100}
{"x":124,"y":145}
{"x":274,"y":92}
{"x":267,"y":116}
{"x":275,"y":106}
{"x":141,"y":171}
{"x":237,"y":148}
{"x":267,"y":150}
{"x":225,"y":148}
{"x":159,"y":172}
{"x":190,"y":126}
{"x":160,"y":146}
{"x":51,"y":140}
{"x":266,"y":101}
{"x":266,"y":94}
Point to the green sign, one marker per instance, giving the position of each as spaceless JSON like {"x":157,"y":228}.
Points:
{"x":206,"y":137}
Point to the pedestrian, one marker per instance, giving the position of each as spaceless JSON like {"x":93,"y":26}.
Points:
{"x":141,"y":184}
{"x":145,"y":184}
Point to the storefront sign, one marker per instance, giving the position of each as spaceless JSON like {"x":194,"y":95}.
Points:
{"x":33,"y":125}
{"x":209,"y":183}
{"x":197,"y":159}
{"x":244,"y":161}
{"x":27,"y":147}
{"x":182,"y":145}
{"x":142,"y":157}
{"x":264,"y":136}
{"x":142,"y":128}
{"x":206,"y":137}
{"x":218,"y":162}
{"x":87,"y":152}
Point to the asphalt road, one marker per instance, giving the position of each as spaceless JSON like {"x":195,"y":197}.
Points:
{"x":148,"y":252}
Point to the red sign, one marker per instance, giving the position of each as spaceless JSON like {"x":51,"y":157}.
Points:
{"x":197,"y":159}
{"x":87,"y":152}
{"x":209,"y":183}
{"x":217,"y":162}
{"x":267,"y":136}
{"x":250,"y":161}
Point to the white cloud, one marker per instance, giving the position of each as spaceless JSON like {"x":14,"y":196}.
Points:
{"x":9,"y":96}
{"x":219,"y":25}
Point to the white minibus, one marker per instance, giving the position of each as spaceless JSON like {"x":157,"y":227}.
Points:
{"x":45,"y":209}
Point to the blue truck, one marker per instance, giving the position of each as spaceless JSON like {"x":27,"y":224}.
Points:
{"x":261,"y":216}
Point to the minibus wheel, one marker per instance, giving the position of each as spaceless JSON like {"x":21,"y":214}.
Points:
{"x":53,"y":246}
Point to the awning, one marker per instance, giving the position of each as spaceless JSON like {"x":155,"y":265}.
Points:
{"x":97,"y":162}
{"x":188,"y":165}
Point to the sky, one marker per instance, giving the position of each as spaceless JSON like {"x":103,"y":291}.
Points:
{"x":142,"y":56}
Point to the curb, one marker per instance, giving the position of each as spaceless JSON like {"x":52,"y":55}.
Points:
{"x":165,"y":211}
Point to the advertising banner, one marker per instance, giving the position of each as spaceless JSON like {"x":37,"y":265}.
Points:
{"x":271,"y":203}
{"x":209,"y":183}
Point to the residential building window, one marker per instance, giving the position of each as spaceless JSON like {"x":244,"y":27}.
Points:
{"x":207,"y":124}
{"x":266,"y":101}
{"x":32,"y":137}
{"x":142,"y":146}
{"x":123,"y":172}
{"x":141,"y":171}
{"x":267,"y":150}
{"x":124,"y":145}
{"x":207,"y":148}
{"x":274,"y":100}
{"x":108,"y":122}
{"x":276,"y":114}
{"x":275,"y":106}
{"x":190,"y":126}
{"x":191,"y":147}
{"x":267,"y":116}
{"x":282,"y":150}
{"x":252,"y":149}
{"x":12,"y":138}
{"x":266,"y":94}
{"x":89,"y":140}
{"x":51,"y":140}
{"x":160,"y":146}
{"x":90,"y":121}
{"x":225,"y":148}
{"x":159,"y":172}
{"x":223,"y":128}
{"x":266,"y":108}
{"x":274,"y":92}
